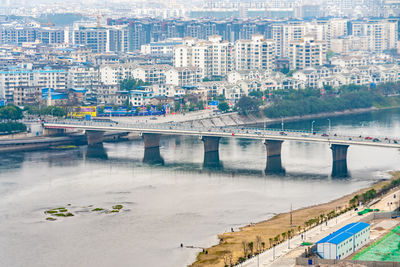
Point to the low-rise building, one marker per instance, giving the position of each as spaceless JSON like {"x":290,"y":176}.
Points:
{"x":344,"y":241}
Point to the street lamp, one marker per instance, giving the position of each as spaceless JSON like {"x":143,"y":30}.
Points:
{"x":329,"y":126}
{"x":312,"y":127}
{"x":282,"y":123}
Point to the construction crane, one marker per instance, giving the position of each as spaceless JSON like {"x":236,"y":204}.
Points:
{"x":48,"y":24}
{"x":98,"y":18}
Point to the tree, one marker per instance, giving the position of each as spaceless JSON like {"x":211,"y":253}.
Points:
{"x":219,"y":98}
{"x":177,"y":105}
{"x":247,"y":104}
{"x":11,"y":112}
{"x":159,"y":107}
{"x":251,"y":247}
{"x":56,"y":111}
{"x":138,"y":109}
{"x":200,"y":105}
{"x":283,"y":235}
{"x":245,"y":248}
{"x":115,"y":107}
{"x":258,"y":244}
{"x":256,"y":94}
{"x":131,"y":84}
{"x":223,"y":107}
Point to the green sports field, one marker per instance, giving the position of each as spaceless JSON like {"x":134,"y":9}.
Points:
{"x":385,"y":249}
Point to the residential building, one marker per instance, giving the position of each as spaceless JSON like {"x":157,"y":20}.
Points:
{"x":307,"y":53}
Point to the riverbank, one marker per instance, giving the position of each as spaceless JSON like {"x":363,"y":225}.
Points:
{"x":231,"y":242}
{"x":327,"y":114}
{"x":234,"y":119}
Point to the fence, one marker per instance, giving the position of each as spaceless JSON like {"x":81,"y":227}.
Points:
{"x":315,"y":261}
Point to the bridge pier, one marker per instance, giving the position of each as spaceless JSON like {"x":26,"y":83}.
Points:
{"x":152,"y":153}
{"x":211,"y":152}
{"x":339,"y":157}
{"x":151,"y":140}
{"x":274,"y":161}
{"x":211,"y":143}
{"x":94,"y":137}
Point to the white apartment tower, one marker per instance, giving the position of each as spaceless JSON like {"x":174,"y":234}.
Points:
{"x":381,"y":34}
{"x":307,"y":53}
{"x":256,"y":53}
{"x":284,"y":34}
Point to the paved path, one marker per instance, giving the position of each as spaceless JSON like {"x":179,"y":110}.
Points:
{"x":286,"y":257}
{"x":313,"y":235}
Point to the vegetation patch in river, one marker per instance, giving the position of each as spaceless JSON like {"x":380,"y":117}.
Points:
{"x":117,"y":207}
{"x":64,"y":212}
{"x":98,"y":209}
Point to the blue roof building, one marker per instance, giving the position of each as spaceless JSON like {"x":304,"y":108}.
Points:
{"x":344,"y":241}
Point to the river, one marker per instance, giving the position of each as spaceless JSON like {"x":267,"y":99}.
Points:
{"x":178,"y":201}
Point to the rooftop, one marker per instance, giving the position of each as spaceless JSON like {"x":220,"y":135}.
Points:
{"x":344,"y":233}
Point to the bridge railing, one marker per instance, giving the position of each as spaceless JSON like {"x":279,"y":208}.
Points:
{"x":233,"y":130}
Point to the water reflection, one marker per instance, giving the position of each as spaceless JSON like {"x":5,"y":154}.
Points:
{"x":152,"y":156}
{"x":96,"y":151}
{"x":339,"y":169}
{"x":274,"y":166}
{"x":11,"y":161}
{"x":212,"y":161}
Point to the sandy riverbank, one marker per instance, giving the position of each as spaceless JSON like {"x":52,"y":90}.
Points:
{"x":231,"y":242}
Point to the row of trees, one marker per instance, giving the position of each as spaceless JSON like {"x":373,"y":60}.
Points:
{"x":9,"y":115}
{"x":132,"y":84}
{"x":310,"y":101}
{"x":12,"y":127}
{"x":46,"y":110}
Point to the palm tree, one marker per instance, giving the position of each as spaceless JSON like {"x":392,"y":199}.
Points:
{"x":258,"y":244}
{"x":244,"y":245}
{"x":283,"y":235}
{"x":251,"y":247}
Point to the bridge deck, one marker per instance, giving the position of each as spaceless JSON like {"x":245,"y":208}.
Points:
{"x":229,"y":132}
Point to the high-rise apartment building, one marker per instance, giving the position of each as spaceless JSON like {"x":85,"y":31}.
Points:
{"x":381,"y":34}
{"x":307,"y":53}
{"x":256,"y":53}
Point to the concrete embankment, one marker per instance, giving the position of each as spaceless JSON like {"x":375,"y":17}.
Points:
{"x":234,"y":119}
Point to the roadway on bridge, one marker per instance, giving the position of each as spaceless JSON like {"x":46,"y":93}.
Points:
{"x":229,"y":132}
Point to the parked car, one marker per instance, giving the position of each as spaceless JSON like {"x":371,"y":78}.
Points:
{"x":368,"y":138}
{"x":376,"y":140}
{"x":325,"y":134}
{"x":394,"y":141}
{"x":283,"y":133}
